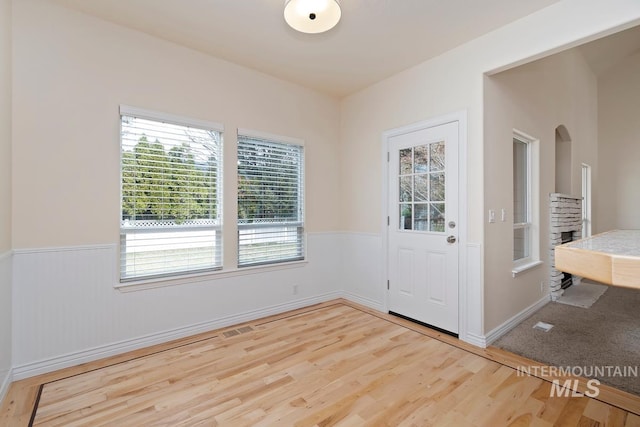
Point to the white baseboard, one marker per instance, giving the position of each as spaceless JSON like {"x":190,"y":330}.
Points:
{"x":475,"y":339}
{"x":515,"y":320}
{"x":8,"y":377}
{"x":100,"y":352}
{"x":4,"y":385}
{"x":367,"y":302}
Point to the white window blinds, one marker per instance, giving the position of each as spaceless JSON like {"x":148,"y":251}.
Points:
{"x":171,"y":197}
{"x":270,"y":201}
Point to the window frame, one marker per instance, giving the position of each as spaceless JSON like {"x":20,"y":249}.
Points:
{"x":531,"y":225}
{"x":300,"y":223}
{"x":161,"y":117}
{"x":586,"y":190}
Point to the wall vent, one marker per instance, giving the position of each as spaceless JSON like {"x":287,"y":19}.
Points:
{"x":234,"y":332}
{"x":542,"y":326}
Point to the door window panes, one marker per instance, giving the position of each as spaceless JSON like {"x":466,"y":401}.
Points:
{"x":421,"y":159}
{"x":406,"y":216}
{"x":406,"y":189}
{"x":421,"y":183}
{"x":422,"y":188}
{"x":406,"y":162}
{"x":422,"y":216}
{"x":436,"y":190}
{"x":437,"y":217}
{"x":436,"y":159}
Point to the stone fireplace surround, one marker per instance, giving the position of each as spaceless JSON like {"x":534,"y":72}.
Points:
{"x":565,"y":216}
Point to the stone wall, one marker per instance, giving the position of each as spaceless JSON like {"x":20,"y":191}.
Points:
{"x":566,"y":216}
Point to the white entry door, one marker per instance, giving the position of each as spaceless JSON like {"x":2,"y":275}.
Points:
{"x":423,"y":231}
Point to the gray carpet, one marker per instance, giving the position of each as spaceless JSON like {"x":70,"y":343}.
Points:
{"x":606,"y":334}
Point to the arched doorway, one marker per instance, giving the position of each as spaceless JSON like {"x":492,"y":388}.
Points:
{"x":563,"y":160}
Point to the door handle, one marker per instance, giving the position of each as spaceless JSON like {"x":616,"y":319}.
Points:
{"x":451,"y":239}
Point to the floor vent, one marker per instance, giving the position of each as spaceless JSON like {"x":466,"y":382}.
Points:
{"x":234,"y":332}
{"x":542,"y":326}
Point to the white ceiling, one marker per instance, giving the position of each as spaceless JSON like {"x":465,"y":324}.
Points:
{"x":375,"y":38}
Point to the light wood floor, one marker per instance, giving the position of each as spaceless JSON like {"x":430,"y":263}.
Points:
{"x":331,"y":364}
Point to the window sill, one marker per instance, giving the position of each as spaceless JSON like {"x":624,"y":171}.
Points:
{"x":140,"y":285}
{"x":525,"y":267}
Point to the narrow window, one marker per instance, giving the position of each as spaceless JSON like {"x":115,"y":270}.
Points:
{"x":270,"y":201}
{"x":522,"y":222}
{"x":170,"y":220}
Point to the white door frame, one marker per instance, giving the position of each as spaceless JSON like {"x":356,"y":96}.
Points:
{"x":586,"y":200}
{"x":464,"y":302}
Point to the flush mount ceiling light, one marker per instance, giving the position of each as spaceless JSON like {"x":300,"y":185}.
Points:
{"x":312,"y":16}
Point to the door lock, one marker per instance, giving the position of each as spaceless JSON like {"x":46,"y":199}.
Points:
{"x":452,"y":224}
{"x":451,"y":239}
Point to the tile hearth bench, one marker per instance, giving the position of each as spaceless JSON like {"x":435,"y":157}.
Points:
{"x":612,"y":258}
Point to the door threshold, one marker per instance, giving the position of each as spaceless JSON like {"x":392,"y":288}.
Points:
{"x":435,"y":328}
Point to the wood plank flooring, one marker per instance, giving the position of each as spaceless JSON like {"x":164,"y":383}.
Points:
{"x":332,"y":364}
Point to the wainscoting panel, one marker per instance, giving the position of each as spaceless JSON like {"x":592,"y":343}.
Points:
{"x":363,"y":261}
{"x":362,"y":269}
{"x":68,"y":311}
{"x":5,"y":322}
{"x":472,"y":298}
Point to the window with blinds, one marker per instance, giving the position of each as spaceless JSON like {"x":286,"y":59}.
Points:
{"x":270,"y":201}
{"x":170,"y":195}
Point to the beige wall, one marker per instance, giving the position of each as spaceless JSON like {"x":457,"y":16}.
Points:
{"x":5,"y":126}
{"x":535,"y":99}
{"x":5,"y":191}
{"x":619,"y":146}
{"x":434,"y":88}
{"x":72,"y":72}
{"x":453,"y":82}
